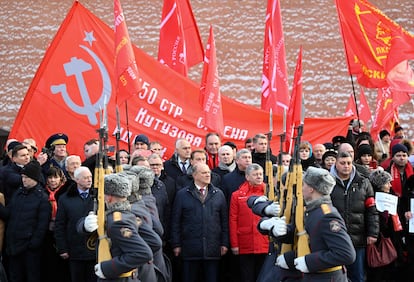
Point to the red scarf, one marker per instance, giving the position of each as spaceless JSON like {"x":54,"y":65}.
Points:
{"x":396,"y":177}
{"x":52,"y":199}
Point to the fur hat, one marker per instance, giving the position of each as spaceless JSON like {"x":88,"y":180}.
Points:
{"x":141,"y":138}
{"x":399,"y":148}
{"x":33,"y":170}
{"x":319,"y":179}
{"x":133,"y":178}
{"x":146,"y":178}
{"x":117,"y":184}
{"x":379,"y":178}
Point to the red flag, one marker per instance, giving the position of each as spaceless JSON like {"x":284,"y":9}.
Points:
{"x":126,"y":69}
{"x":210,"y":97}
{"x":275,"y":88}
{"x":387,"y":109}
{"x":374,"y":44}
{"x":180,"y":44}
{"x":401,"y":77}
{"x":77,"y":73}
{"x":296,"y":113}
{"x":363,"y":108}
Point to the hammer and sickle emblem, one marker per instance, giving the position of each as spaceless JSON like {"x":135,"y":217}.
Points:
{"x":387,"y":101}
{"x":77,"y":67}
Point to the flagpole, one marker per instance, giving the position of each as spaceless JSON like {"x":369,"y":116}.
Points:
{"x":347,"y":63}
{"x":127,"y":126}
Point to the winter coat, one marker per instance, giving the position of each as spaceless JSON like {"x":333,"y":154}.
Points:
{"x":172,"y":167}
{"x":71,"y":207}
{"x":356,"y":204}
{"x":169,"y":185}
{"x":10,"y":180}
{"x":200,"y":229}
{"x":187,"y":179}
{"x":260,"y":158}
{"x":231,"y":182}
{"x":163,"y":205}
{"x":27,"y":216}
{"x":243,"y":222}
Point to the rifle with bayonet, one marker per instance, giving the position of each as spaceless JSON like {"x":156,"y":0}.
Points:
{"x":288,"y":204}
{"x":118,"y":166}
{"x":303,"y":238}
{"x":290,"y":211}
{"x":270,"y":188}
{"x":280,"y":188}
{"x":104,"y":252}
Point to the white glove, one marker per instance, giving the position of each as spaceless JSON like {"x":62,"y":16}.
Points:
{"x":91,"y":222}
{"x":281,"y":262}
{"x":300,"y":264}
{"x":260,"y":199}
{"x":98,"y":271}
{"x":267,"y":224}
{"x":273,"y":209}
{"x":279,"y":226}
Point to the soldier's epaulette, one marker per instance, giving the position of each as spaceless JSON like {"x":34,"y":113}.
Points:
{"x":117,"y":216}
{"x":325,"y":208}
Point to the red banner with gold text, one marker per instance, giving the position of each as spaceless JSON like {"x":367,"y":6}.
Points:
{"x":77,"y":73}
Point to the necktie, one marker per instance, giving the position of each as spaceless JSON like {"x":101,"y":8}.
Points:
{"x":183,"y":168}
{"x":202,"y":191}
{"x":84,"y":195}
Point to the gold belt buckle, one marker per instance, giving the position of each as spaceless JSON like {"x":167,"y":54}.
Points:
{"x":331,"y":269}
{"x":127,"y":274}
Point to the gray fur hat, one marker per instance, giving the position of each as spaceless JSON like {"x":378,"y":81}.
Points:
{"x":146,"y":178}
{"x":319,"y":179}
{"x":133,"y":178}
{"x":117,"y":184}
{"x":379,"y":178}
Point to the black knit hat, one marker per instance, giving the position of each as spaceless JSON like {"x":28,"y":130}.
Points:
{"x":329,"y":153}
{"x":398,"y":148}
{"x":384,"y":133}
{"x":141,"y":138}
{"x":364,"y":149}
{"x":33,"y":170}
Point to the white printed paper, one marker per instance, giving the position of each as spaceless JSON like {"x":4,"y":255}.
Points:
{"x":386,"y":202}
{"x":411,"y":221}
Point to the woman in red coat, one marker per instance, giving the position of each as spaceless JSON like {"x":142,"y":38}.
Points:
{"x":245,"y":239}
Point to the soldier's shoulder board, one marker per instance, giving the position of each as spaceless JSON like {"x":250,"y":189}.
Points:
{"x":326,"y":208}
{"x":117,"y":216}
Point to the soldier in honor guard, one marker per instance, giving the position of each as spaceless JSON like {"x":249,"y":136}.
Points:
{"x":331,"y":246}
{"x":127,"y":249}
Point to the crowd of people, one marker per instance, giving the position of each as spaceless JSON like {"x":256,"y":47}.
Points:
{"x":203,"y":214}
